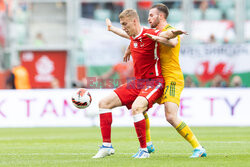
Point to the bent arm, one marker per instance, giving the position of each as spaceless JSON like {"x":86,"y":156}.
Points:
{"x":171,"y":42}
{"x":171,"y":36}
{"x":116,"y":30}
{"x":127,"y":54}
{"x":163,"y":40}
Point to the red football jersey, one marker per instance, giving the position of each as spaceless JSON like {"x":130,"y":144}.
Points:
{"x":145,"y":54}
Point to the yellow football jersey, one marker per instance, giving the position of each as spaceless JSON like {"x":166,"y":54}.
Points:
{"x":169,"y":58}
{"x":171,"y":71}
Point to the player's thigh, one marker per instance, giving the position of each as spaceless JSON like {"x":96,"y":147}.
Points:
{"x":172,"y":91}
{"x":110,"y":101}
{"x":139,"y":105}
{"x":127,"y":94}
{"x":152,"y":93}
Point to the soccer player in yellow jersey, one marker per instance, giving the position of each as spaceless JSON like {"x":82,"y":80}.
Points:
{"x":171,"y":70}
{"x":173,"y":76}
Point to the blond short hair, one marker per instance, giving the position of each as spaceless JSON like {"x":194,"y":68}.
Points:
{"x":129,"y":13}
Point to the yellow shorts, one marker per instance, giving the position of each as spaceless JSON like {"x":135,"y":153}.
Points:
{"x":172,"y":91}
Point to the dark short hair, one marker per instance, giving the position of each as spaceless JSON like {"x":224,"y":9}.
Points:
{"x":162,"y":8}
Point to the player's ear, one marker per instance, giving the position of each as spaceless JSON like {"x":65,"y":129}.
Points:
{"x":134,"y":21}
{"x":161,"y":15}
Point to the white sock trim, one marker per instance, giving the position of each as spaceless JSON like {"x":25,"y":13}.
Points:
{"x":199,"y":147}
{"x":102,"y":111}
{"x":138,"y":117}
{"x":107,"y":144}
{"x":145,"y":149}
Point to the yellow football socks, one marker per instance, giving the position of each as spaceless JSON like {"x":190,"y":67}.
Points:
{"x":186,"y":132}
{"x":148,"y":136}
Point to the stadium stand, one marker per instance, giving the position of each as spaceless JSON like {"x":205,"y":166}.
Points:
{"x":213,"y":14}
{"x":175,"y":15}
{"x":224,"y":5}
{"x":196,"y":14}
{"x":230,"y":14}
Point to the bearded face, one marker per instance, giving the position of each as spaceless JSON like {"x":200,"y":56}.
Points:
{"x":155,"y":22}
{"x":153,"y":18}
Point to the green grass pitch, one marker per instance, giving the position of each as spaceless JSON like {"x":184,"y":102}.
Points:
{"x":226,"y":146}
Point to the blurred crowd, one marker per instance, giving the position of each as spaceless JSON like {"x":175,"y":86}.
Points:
{"x":18,"y":78}
{"x":217,"y":81}
{"x":220,"y":9}
{"x":191,"y":81}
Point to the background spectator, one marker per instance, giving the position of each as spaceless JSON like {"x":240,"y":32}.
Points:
{"x":39,"y":39}
{"x":212,"y":39}
{"x":189,"y":83}
{"x":218,"y":82}
{"x":19,"y":78}
{"x":236,"y":81}
{"x":55,"y":84}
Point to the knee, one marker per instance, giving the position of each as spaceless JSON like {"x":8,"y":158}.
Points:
{"x":137,"y":109}
{"x":170,"y":115}
{"x":104,"y":104}
{"x":170,"y":118}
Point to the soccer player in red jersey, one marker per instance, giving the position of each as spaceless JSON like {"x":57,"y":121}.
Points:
{"x":172,"y":74}
{"x":140,"y":93}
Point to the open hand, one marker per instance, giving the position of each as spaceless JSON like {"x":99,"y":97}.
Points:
{"x":109,"y":24}
{"x":153,"y":37}
{"x":178,"y":32}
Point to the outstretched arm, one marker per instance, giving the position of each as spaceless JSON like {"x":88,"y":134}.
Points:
{"x":116,"y":30}
{"x":168,"y":38}
{"x":165,"y":41}
{"x":171,"y":34}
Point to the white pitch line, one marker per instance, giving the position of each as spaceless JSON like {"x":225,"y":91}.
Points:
{"x":69,"y":138}
{"x":78,"y":154}
{"x":223,"y":142}
{"x":227,"y":142}
{"x":37,"y":138}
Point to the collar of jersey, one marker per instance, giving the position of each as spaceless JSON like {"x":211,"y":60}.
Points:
{"x":138,"y":34}
{"x":166,"y":26}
